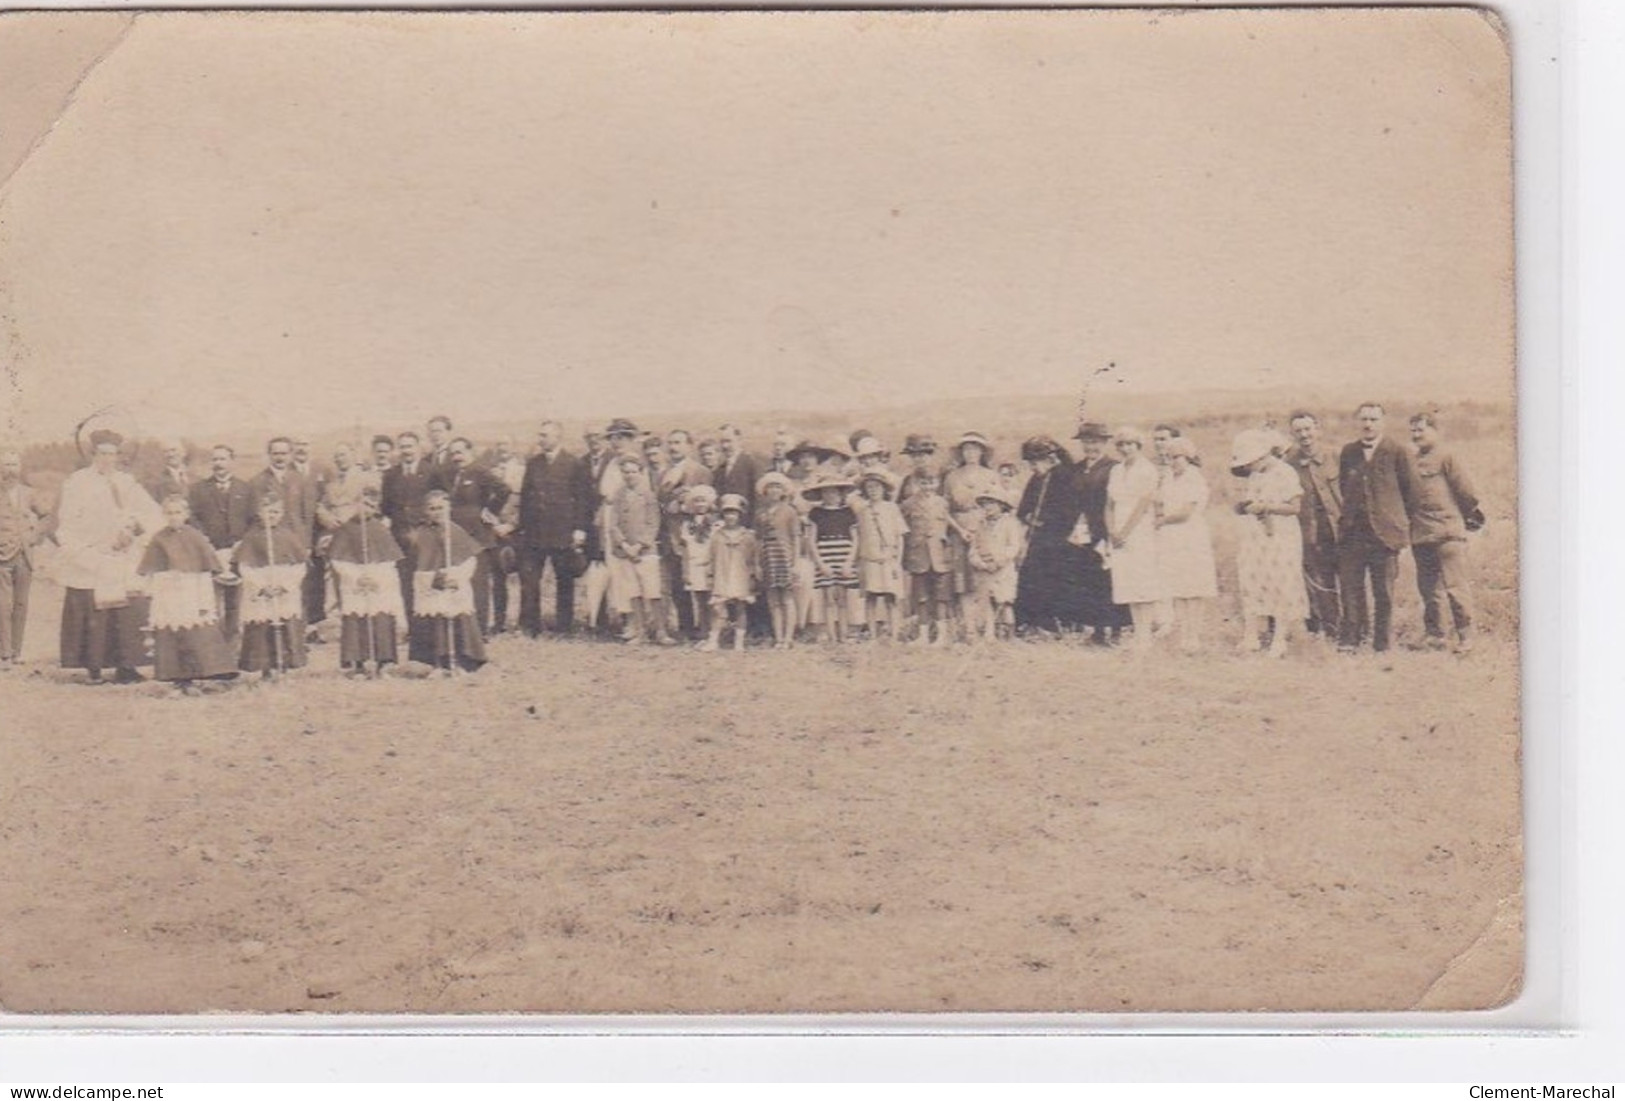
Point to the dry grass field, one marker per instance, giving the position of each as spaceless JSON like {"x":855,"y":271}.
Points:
{"x":584,"y":828}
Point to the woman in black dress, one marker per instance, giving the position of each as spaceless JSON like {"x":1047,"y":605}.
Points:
{"x":1091,"y":474}
{"x":1049,"y":596}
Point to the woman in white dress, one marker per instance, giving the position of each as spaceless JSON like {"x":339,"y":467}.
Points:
{"x":1184,"y":543}
{"x":1269,"y":548}
{"x":1131,"y":499}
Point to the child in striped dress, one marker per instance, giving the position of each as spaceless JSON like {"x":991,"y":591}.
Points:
{"x":835,"y":549}
{"x":778,"y":538}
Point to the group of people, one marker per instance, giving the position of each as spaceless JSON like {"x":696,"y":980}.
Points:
{"x":666,"y":539}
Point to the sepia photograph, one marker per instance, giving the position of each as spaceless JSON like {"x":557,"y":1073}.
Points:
{"x":758,"y":512}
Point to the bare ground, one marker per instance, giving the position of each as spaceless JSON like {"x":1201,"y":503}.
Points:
{"x":583,"y":828}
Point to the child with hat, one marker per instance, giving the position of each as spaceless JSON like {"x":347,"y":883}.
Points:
{"x":834,"y":529}
{"x":735,"y":572}
{"x":994,"y":547}
{"x":925,"y":555}
{"x":779,"y":543}
{"x":633,"y":526}
{"x":921,"y":452}
{"x":881,"y":529}
{"x":694,"y":552}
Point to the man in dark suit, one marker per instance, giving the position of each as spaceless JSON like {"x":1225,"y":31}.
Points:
{"x":283,"y":479}
{"x":223,"y":510}
{"x":439,"y":452}
{"x":681,"y":474}
{"x":279,"y":479}
{"x":739,"y":471}
{"x":556,"y":501}
{"x":1374,"y":477}
{"x":477,"y":497}
{"x":405,"y":487}
{"x":175,"y":480}
{"x":1318,"y":519}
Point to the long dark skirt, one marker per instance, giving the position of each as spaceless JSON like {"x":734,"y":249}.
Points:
{"x":430,"y":636}
{"x":192,"y":653}
{"x":1096,"y":586}
{"x":107,"y":638}
{"x":367,"y":638}
{"x":1062,"y":587}
{"x":269,"y":646}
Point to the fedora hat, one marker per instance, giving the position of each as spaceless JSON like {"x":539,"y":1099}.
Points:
{"x":622,"y":427}
{"x":919,"y":444}
{"x":1092,"y":430}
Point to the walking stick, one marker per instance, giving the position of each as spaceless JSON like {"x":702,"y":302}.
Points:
{"x":448,"y":627}
{"x":372,"y":619}
{"x":276,"y":624}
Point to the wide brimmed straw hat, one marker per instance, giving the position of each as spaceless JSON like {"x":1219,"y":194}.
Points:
{"x":772,"y":478}
{"x":815,"y":489}
{"x":1180,"y":447}
{"x":1041,"y":447}
{"x":884,"y":477}
{"x":999,"y":494}
{"x":822,"y":452}
{"x":870,"y":446}
{"x":976,"y":438}
{"x":732,"y":502}
{"x":693,"y":495}
{"x":1250,"y":446}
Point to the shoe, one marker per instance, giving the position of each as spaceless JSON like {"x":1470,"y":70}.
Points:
{"x":1464,"y":646}
{"x":127,"y":676}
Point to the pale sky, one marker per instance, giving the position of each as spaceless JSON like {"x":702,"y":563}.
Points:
{"x":305,"y":220}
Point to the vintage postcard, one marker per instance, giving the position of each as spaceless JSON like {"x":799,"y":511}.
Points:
{"x":758,"y":512}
